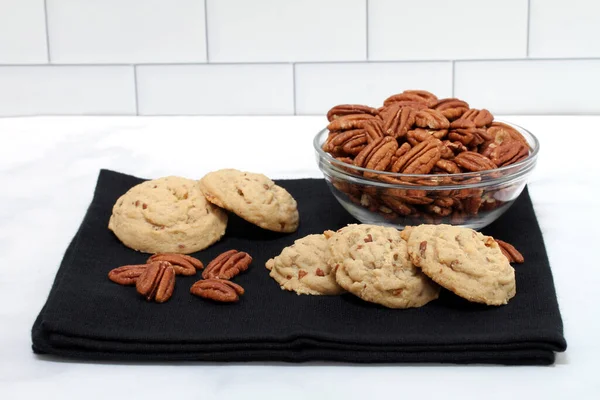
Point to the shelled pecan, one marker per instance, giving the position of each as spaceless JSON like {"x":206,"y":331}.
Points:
{"x":227,"y":265}
{"x":157,"y":282}
{"x":127,"y":275}
{"x":220,"y":290}
{"x":183,"y":264}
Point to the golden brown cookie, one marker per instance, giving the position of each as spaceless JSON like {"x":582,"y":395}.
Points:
{"x":253,"y":197}
{"x":372,"y":263}
{"x":167,"y":215}
{"x":463,"y":261}
{"x":302,"y":267}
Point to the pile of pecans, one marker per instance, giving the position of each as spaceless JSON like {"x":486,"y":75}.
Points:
{"x":414,"y":132}
{"x":155,"y":280}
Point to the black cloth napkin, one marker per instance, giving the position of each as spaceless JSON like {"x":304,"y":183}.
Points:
{"x":87,"y":316}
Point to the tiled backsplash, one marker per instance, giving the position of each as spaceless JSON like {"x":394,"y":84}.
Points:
{"x":170,"y":57}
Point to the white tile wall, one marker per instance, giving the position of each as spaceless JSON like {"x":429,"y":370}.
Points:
{"x":22,"y":32}
{"x":294,"y":56}
{"x":530,"y":87}
{"x":126,"y":31}
{"x":291,"y":30}
{"x":565,"y":28}
{"x":445,"y":30}
{"x":31,"y":90}
{"x":321,"y":86}
{"x":215,"y":89}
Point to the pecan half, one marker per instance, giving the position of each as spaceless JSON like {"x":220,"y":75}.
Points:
{"x":402,"y":150}
{"x":451,"y":108}
{"x":509,"y":152}
{"x":348,"y":142}
{"x":419,"y":135}
{"x":398,"y":120}
{"x":471,"y":204}
{"x":439,"y":210}
{"x":373,"y":129}
{"x":349,"y":109}
{"x":227,"y":265}
{"x":182,"y":264}
{"x":127,"y":274}
{"x":456,"y":147}
{"x":462,"y":123}
{"x":474,"y":162}
{"x":157,"y":282}
{"x":418,"y":96}
{"x":218,"y":290}
{"x":397,"y":205}
{"x":377,"y":154}
{"x":420,"y":159}
{"x":448,"y":166}
{"x":431,"y":119}
{"x":510,"y":252}
{"x":480,"y":118}
{"x":354,"y":121}
{"x":464,"y":136}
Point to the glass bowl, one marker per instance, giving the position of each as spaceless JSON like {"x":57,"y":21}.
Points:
{"x":473,"y":199}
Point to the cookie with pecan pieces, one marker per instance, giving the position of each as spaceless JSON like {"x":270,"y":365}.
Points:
{"x":253,"y":197}
{"x":463,"y":261}
{"x":302,"y":267}
{"x":372,"y":263}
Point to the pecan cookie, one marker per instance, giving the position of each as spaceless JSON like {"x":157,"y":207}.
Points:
{"x":167,"y":215}
{"x":253,"y":197}
{"x":302,"y":267}
{"x":463,"y":261}
{"x":372,"y":263}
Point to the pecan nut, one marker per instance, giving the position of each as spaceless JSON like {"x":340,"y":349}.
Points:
{"x":354,"y":121}
{"x":419,"y":135}
{"x":508,"y":153}
{"x":474,"y":162}
{"x":227,"y":265}
{"x":127,"y":274}
{"x":182,"y":264}
{"x":431,"y":119}
{"x":398,"y":120}
{"x":448,"y":166}
{"x":348,"y":142}
{"x":480,"y":118}
{"x":377,"y":155}
{"x":420,"y":159}
{"x":510,"y":252}
{"x":220,"y":290}
{"x":157,"y":282}
{"x":417,"y":96}
{"x":451,"y":108}
{"x":349,"y":109}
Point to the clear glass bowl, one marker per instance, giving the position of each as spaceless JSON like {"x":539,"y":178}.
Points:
{"x":473,"y":199}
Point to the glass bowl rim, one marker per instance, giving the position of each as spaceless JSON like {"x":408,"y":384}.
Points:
{"x":516,"y":167}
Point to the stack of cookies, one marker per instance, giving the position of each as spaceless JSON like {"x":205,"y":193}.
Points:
{"x":397,"y":269}
{"x":178,"y":215}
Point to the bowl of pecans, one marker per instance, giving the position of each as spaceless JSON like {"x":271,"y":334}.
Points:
{"x":419,"y":159}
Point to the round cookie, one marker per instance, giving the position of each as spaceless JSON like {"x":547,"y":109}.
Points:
{"x":302,"y":267}
{"x":167,"y":215}
{"x":253,"y":197}
{"x":463,"y":261}
{"x":372,"y":263}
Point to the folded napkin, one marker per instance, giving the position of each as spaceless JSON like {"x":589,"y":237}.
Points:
{"x":87,"y":316}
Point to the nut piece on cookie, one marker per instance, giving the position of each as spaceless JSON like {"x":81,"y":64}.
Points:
{"x":167,"y":215}
{"x":372,"y":263}
{"x":463,"y":261}
{"x":253,"y":197}
{"x":302,"y":267}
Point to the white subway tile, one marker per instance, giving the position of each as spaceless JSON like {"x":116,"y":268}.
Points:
{"x":564,"y":28}
{"x":215,"y":89}
{"x":445,"y":30}
{"x":530,"y":87}
{"x":22,"y":32}
{"x":271,"y":30}
{"x":66,"y":90}
{"x":321,"y":86}
{"x":126,"y":31}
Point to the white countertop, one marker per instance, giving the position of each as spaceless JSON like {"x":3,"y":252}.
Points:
{"x":48,"y":170}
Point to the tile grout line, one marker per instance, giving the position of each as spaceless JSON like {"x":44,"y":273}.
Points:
{"x":528,"y":27}
{"x":453,"y":75}
{"x":206,"y":29}
{"x":135,"y":86}
{"x":47,"y":32}
{"x":294,"y":86}
{"x":367,"y":27}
